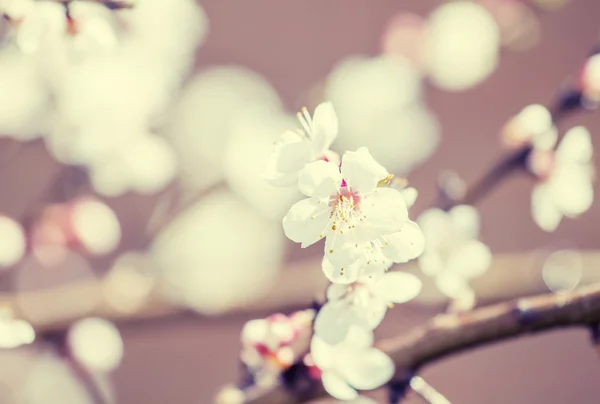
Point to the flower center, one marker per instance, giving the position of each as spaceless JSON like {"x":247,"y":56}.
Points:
{"x":344,"y":207}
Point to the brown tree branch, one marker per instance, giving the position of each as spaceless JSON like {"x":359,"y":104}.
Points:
{"x":448,"y":334}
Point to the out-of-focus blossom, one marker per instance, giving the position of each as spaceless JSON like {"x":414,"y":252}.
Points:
{"x":296,"y":148}
{"x":266,"y":343}
{"x":85,"y":222}
{"x":461,"y":46}
{"x":378,"y":104}
{"x":533,"y":125}
{"x":14,"y":332}
{"x":96,"y":344}
{"x":214,"y":102}
{"x":405,"y":36}
{"x":590,"y":79}
{"x":363,"y":303}
{"x":211,"y":258}
{"x":518,"y":23}
{"x":253,"y":132}
{"x":13,"y":242}
{"x":566,"y":189}
{"x":351,"y":365}
{"x":562,"y":270}
{"x":453,"y":254}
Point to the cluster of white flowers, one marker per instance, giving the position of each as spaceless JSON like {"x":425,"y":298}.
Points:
{"x":366,"y":228}
{"x":565,"y":171}
{"x":453,"y":254}
{"x":93,"y":81}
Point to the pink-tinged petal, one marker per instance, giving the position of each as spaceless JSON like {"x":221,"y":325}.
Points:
{"x":383,"y":212}
{"x":368,"y":369}
{"x":466,"y":220}
{"x":306,"y":221}
{"x":576,"y":147}
{"x":470,"y":259}
{"x":344,"y":275}
{"x":333,"y":321}
{"x":397,"y":287}
{"x":319,"y":179}
{"x":255,"y":331}
{"x":337,"y":387}
{"x":361,"y":171}
{"x":325,"y":127}
{"x":543,"y":210}
{"x":404,"y":245}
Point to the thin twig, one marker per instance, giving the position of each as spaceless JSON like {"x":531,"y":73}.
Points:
{"x":449,"y":334}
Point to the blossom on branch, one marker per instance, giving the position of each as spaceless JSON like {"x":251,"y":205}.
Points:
{"x":565,"y":182}
{"x":296,"y":148}
{"x":363,"y":303}
{"x":350,"y":365}
{"x":453,"y":253}
{"x":533,"y":125}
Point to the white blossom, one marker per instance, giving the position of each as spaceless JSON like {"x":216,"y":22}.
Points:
{"x":352,"y":364}
{"x":297,"y":148}
{"x":347,"y":207}
{"x":532,"y":125}
{"x":363,"y":303}
{"x":453,"y":253}
{"x":567,"y":190}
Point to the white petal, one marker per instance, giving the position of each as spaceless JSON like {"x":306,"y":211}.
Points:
{"x":343,"y":249}
{"x":306,"y":221}
{"x":452,"y":285}
{"x":347,"y":275}
{"x":322,"y":353}
{"x":543,"y":210}
{"x":368,"y":370}
{"x":466,"y":220}
{"x":435,"y":224}
{"x":571,"y":189}
{"x":410,"y":195}
{"x":336,"y":291}
{"x":384,"y":212}
{"x":576,"y":146}
{"x":470,"y":260}
{"x":359,"y":337}
{"x":255,"y":331}
{"x":431,"y":263}
{"x":361,"y":171}
{"x":319,"y":179}
{"x":337,"y":387}
{"x":368,"y":310}
{"x":333,"y":321}
{"x":404,"y":245}
{"x":325,"y":127}
{"x":289,"y":156}
{"x":397,"y":287}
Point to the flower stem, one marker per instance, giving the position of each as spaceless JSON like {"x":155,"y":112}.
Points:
{"x":427,"y":392}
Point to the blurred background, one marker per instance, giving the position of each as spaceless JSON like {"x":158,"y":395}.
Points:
{"x":131,"y":158}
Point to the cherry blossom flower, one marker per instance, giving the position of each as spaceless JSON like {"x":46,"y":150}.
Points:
{"x":567,"y":188}
{"x":348,"y":208}
{"x":363,"y":303}
{"x":590,"y":79}
{"x":350,"y":365}
{"x":296,"y":148}
{"x":266,"y":342}
{"x":532,"y":125}
{"x":453,"y":254}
